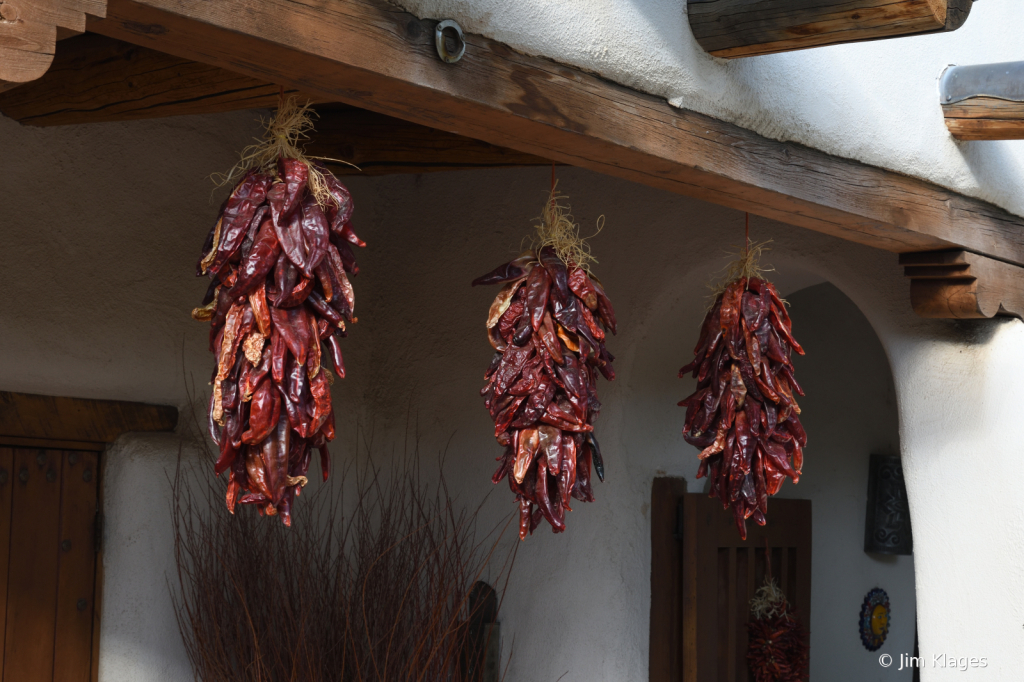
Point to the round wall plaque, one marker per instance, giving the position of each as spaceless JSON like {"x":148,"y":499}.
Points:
{"x":874,"y":619}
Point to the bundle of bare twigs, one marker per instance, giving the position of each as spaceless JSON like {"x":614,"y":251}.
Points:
{"x":381,"y":592}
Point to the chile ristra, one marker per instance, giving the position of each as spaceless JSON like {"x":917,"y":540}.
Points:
{"x":280,"y":296}
{"x":743,"y":416}
{"x":547,"y":326}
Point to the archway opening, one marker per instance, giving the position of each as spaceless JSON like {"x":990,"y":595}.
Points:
{"x":850,"y":413}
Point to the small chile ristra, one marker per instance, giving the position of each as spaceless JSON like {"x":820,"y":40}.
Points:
{"x":280,"y":262}
{"x":547,"y":326}
{"x":744,"y":416}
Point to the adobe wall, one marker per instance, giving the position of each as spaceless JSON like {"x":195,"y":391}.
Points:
{"x":102,"y":227}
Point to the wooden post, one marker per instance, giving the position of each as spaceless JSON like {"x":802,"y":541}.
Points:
{"x":745,"y":28}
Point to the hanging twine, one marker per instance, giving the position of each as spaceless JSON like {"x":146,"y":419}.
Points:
{"x":777,"y":644}
{"x":285,"y":136}
{"x":768,"y":602}
{"x":746,"y":263}
{"x":557,"y":228}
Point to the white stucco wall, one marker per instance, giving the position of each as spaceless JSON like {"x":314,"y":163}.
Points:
{"x":97,"y":276}
{"x":876,"y":102}
{"x":139,"y":637}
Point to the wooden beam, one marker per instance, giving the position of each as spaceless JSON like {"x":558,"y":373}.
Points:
{"x":957,"y":284}
{"x":29,"y":32}
{"x":373,"y":56}
{"x":745,"y":28}
{"x":984,"y":101}
{"x":383,"y":145}
{"x":97,"y":79}
{"x":985,"y":118}
{"x":78,"y":423}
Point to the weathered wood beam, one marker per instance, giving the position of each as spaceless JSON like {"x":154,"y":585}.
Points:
{"x":97,"y":79}
{"x":371,"y":55}
{"x":985,"y":118}
{"x":383,"y":145}
{"x":29,"y":30}
{"x":962,"y":285}
{"x":984,"y":101}
{"x":51,"y":421}
{"x":745,"y":28}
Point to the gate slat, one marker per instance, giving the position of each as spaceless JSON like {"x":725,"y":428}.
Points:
{"x":76,"y":579}
{"x":6,"y":486}
{"x":31,"y":597}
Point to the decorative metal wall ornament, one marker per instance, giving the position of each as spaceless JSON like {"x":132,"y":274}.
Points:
{"x":887,"y":529}
{"x":874,"y":619}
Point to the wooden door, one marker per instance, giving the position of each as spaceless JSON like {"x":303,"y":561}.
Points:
{"x":48,"y":509}
{"x":703,"y":579}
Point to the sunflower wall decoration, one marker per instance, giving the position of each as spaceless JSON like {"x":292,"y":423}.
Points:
{"x":874,"y":619}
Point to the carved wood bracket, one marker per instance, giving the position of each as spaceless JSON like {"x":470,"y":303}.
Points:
{"x":29,"y":30}
{"x":957,"y":284}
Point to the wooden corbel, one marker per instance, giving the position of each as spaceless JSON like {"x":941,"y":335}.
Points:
{"x":29,"y":30}
{"x":957,"y":284}
{"x":745,"y":28}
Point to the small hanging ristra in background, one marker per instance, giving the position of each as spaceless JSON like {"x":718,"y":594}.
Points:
{"x":279,"y":258}
{"x":776,"y":641}
{"x":547,"y":326}
{"x":744,"y":416}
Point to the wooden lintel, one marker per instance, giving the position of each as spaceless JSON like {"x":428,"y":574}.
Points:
{"x":956,"y":284}
{"x":29,"y":30}
{"x":96,"y":79}
{"x":745,"y":28}
{"x":985,"y":118}
{"x":76,"y":422}
{"x":369,"y":54}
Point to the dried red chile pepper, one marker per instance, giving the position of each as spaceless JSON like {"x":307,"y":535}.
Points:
{"x":280,"y":264}
{"x":547,"y":326}
{"x":743,"y":415}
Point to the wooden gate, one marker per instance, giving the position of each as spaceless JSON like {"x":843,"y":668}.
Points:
{"x":48,"y":507}
{"x":702,"y":581}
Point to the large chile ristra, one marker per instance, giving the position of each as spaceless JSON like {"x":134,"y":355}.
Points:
{"x":280,"y":296}
{"x":547,"y":326}
{"x":744,"y":416}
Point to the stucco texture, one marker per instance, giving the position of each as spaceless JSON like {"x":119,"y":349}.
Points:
{"x":876,"y":102}
{"x":102,"y":228}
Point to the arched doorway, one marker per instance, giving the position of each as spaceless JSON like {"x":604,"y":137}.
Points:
{"x":850,"y":412}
